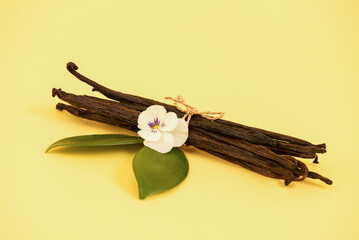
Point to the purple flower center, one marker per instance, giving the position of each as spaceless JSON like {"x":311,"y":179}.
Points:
{"x":155,"y":123}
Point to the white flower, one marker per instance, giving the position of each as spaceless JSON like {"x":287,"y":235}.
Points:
{"x":161,"y":130}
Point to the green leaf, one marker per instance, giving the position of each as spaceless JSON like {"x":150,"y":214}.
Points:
{"x":156,"y":172}
{"x":96,"y":140}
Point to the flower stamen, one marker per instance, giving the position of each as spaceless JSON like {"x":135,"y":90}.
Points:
{"x":154,"y":124}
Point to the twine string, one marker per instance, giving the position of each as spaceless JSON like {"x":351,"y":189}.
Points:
{"x":189,"y":111}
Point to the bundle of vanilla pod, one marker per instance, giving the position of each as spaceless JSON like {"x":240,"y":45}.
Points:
{"x":267,"y":153}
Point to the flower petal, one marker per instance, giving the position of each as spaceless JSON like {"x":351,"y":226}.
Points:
{"x":144,"y":119}
{"x":163,"y":145}
{"x":157,"y":111}
{"x":180,"y":133}
{"x":150,"y":134}
{"x":170,"y":122}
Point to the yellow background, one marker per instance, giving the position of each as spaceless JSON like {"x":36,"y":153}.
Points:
{"x":286,"y":66}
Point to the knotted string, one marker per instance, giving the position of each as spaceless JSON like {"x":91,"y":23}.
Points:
{"x":189,"y":110}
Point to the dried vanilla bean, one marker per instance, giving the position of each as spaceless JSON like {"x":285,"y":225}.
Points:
{"x":267,"y":153}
